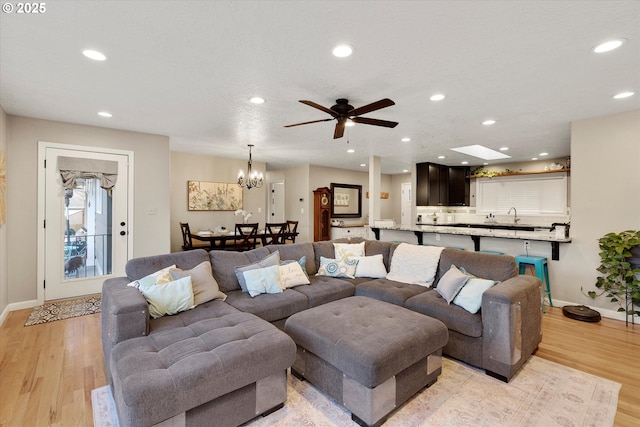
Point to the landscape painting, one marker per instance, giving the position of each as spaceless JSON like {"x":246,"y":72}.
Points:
{"x":214,"y":196}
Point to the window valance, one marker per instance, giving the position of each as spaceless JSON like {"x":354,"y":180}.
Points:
{"x":72,"y":168}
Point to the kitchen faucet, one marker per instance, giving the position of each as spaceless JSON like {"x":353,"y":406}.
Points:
{"x":515,"y":215}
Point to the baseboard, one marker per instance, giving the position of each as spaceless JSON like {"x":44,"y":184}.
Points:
{"x":16,"y":306}
{"x":610,"y":314}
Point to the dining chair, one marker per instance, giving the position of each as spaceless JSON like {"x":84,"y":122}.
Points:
{"x":292,"y":229}
{"x":187,"y":241}
{"x":275,"y":233}
{"x":247,"y":234}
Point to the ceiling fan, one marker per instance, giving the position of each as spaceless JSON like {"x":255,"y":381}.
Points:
{"x":342,"y":112}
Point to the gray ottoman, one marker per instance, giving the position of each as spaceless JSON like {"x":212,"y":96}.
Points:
{"x":368,"y":355}
{"x":223,"y":372}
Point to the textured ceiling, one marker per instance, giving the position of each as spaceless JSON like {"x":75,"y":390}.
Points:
{"x":187,"y":69}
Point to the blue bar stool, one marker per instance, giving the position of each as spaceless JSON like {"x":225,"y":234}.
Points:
{"x":542,"y":272}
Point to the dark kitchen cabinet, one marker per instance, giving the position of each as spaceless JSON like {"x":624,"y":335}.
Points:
{"x":440,"y":185}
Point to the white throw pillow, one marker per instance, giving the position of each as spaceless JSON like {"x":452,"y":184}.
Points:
{"x":160,"y":277}
{"x":470,"y":297}
{"x":268,"y":261}
{"x":291,"y":274}
{"x":337,"y":267}
{"x":263,"y":280}
{"x":170,"y":298}
{"x":451,"y":283}
{"x":414,"y":264}
{"x":348,"y":250}
{"x":371,"y":266}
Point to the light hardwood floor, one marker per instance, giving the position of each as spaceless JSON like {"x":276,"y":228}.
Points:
{"x":47,"y":371}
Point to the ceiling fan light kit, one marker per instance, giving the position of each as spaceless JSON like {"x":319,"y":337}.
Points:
{"x":343,"y":112}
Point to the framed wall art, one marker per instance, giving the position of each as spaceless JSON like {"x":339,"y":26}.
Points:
{"x":213,"y":196}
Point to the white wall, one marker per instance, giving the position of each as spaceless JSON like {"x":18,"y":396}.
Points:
{"x":4,"y":284}
{"x":195,"y":167}
{"x":151,"y":186}
{"x":298,"y":198}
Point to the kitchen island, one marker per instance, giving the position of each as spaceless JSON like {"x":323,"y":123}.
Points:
{"x":477,"y":231}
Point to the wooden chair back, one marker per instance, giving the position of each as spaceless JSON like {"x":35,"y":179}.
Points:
{"x":247,"y":234}
{"x":275,"y":232}
{"x":292,"y":229}
{"x":187,"y":243}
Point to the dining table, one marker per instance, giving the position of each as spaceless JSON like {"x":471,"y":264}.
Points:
{"x":226,"y":240}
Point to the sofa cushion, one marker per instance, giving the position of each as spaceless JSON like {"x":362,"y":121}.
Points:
{"x":205,"y":287}
{"x":270,"y":260}
{"x":375,"y":247}
{"x":208,"y":310}
{"x":324,"y":289}
{"x":322,"y":249}
{"x":295,"y":252}
{"x":487,"y":266}
{"x":451,"y":283}
{"x":137,"y":268}
{"x":337,"y":267}
{"x":223,"y":264}
{"x":456,"y":318}
{"x":270,"y":307}
{"x":414,"y":264}
{"x":389,"y":291}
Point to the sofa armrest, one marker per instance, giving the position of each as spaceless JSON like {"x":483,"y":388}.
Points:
{"x":511,"y":325}
{"x":125,"y":315}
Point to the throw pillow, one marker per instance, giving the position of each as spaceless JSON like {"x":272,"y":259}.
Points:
{"x":414,"y":264}
{"x":371,"y":266}
{"x":292,"y":274}
{"x":268,"y":261}
{"x":264,"y":280}
{"x":170,"y":298}
{"x":302,"y":261}
{"x":348,"y":250}
{"x":160,"y":277}
{"x":470,"y":296}
{"x":337,"y":267}
{"x":451,"y":283}
{"x":205,"y":287}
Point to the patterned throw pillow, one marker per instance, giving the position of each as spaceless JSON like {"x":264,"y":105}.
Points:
{"x":348,"y":250}
{"x":338,"y":267}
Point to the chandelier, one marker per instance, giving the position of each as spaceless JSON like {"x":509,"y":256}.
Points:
{"x":253,"y":178}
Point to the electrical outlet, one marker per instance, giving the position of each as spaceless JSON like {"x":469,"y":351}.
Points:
{"x":527,"y":244}
{"x":438,"y":237}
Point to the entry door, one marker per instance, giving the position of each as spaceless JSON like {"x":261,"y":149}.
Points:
{"x":86,"y":229}
{"x":405,"y":209}
{"x":277,"y":202}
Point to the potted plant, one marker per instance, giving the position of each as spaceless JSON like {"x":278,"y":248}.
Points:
{"x":620,"y":270}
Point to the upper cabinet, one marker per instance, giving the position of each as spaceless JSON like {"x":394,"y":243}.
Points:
{"x":440,"y":185}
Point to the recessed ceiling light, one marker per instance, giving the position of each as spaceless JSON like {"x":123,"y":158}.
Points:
{"x":351,"y":150}
{"x":489,"y":122}
{"x":405,"y":170}
{"x":623,"y":95}
{"x":405,"y":139}
{"x":464,"y":163}
{"x":485,"y":163}
{"x":441,"y":157}
{"x":481,"y":152}
{"x":608,"y":46}
{"x":256,"y":100}
{"x":105,"y":114}
{"x":342,"y":51}
{"x":543,"y":154}
{"x":437,"y":97}
{"x":363,"y":164}
{"x":94,"y":54}
{"x":534,"y":158}
{"x":504,"y":148}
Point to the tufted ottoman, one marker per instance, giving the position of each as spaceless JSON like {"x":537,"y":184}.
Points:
{"x":221,"y":371}
{"x":368,"y":355}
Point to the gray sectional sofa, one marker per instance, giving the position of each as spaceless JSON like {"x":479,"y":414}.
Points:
{"x":499,"y":338}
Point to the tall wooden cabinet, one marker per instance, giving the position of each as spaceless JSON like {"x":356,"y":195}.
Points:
{"x":321,"y":214}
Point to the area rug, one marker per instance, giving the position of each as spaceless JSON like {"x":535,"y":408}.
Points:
{"x":542,"y":394}
{"x":59,"y":310}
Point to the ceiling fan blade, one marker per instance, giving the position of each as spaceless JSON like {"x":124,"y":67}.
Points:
{"x":339,"y":132}
{"x":375,"y":122}
{"x":371,"y":107}
{"x":320,"y":107}
{"x":306,"y":123}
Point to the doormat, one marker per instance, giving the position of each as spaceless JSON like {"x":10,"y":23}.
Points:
{"x":59,"y":310}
